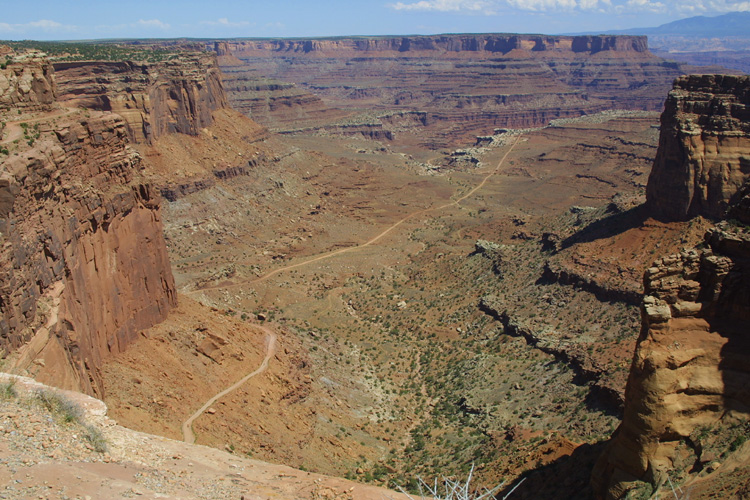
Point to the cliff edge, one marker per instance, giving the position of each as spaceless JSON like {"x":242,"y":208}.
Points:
{"x":436,"y":45}
{"x":704,"y":148}
{"x":177,"y":95}
{"x":83,"y":260}
{"x":686,"y":403}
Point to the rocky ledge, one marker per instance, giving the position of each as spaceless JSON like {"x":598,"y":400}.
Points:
{"x":177,"y":95}
{"x":687,"y":406}
{"x":704,"y":148}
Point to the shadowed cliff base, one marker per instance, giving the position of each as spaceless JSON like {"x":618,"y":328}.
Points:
{"x":617,"y":222}
{"x":564,"y":478}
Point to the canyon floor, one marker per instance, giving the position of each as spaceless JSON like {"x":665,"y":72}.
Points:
{"x":434,"y":309}
{"x":377,"y":276}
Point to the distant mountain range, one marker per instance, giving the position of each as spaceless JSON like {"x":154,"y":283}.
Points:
{"x":731,"y":24}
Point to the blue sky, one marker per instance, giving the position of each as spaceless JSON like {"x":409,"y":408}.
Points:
{"x":61,"y":20}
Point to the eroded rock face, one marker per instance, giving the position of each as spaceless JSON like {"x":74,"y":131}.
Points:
{"x":176,"y":95}
{"x":691,"y":365}
{"x":26,"y":81}
{"x":691,"y":368}
{"x":490,"y":43}
{"x":84,"y":265}
{"x":704,"y":148}
{"x":464,"y":85}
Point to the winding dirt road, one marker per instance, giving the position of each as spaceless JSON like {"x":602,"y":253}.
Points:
{"x":369,"y":242}
{"x":187,"y":427}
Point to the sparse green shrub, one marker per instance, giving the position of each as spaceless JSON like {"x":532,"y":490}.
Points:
{"x":59,"y":405}
{"x":737,"y":442}
{"x":8,"y":389}
{"x":95,"y":437}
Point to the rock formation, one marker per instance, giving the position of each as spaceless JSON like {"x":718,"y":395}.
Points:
{"x":26,"y":81}
{"x":466,"y":85}
{"x":84,"y":266}
{"x":704,"y":148}
{"x":176,"y":95}
{"x":437,"y":45}
{"x":690,"y":370}
{"x":84,"y":261}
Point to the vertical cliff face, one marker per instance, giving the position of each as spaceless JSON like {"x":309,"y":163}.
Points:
{"x":437,"y":45}
{"x":173,"y":96}
{"x":83,"y":261}
{"x":687,"y":387}
{"x":704,"y":148}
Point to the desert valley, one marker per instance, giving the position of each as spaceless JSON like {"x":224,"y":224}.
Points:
{"x":341,"y":265}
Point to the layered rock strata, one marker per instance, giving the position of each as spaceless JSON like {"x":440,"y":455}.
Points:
{"x":83,"y":261}
{"x":26,"y":81}
{"x":466,"y":84}
{"x":84,"y":264}
{"x":704,"y":148}
{"x":441,"y":44}
{"x":689,"y":375}
{"x":690,"y":369}
{"x":173,"y":96}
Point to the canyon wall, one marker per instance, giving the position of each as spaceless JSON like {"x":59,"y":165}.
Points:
{"x":177,"y":95}
{"x":466,"y":84}
{"x":704,"y":148}
{"x":436,"y":45}
{"x":26,"y":81}
{"x":83,"y":265}
{"x":688,"y":382}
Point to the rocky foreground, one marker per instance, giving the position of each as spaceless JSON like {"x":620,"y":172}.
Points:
{"x":67,"y":447}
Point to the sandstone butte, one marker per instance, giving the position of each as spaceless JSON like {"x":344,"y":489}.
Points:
{"x":688,"y":380}
{"x":84,"y":265}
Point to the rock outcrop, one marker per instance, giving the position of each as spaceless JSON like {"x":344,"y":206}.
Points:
{"x":176,"y":95}
{"x":689,"y":375}
{"x":26,"y":81}
{"x":690,"y":369}
{"x":704,"y":148}
{"x":83,"y":260}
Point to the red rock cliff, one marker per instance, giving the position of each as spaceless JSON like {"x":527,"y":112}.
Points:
{"x":704,"y":147}
{"x":26,"y":81}
{"x":688,"y":382}
{"x":434,"y":45}
{"x":176,"y":95}
{"x":83,"y":260}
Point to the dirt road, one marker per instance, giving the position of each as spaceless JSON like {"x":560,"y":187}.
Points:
{"x":369,"y":242}
{"x":187,"y":427}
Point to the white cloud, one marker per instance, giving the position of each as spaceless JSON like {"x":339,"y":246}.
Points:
{"x":543,"y":5}
{"x":152,"y":23}
{"x":729,"y":5}
{"x":473,"y":6}
{"x":226,"y":22}
{"x":45,"y":25}
{"x":644,"y":5}
{"x":588,"y":4}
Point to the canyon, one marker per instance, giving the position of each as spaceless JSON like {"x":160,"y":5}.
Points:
{"x":450,"y":253}
{"x":451,"y":87}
